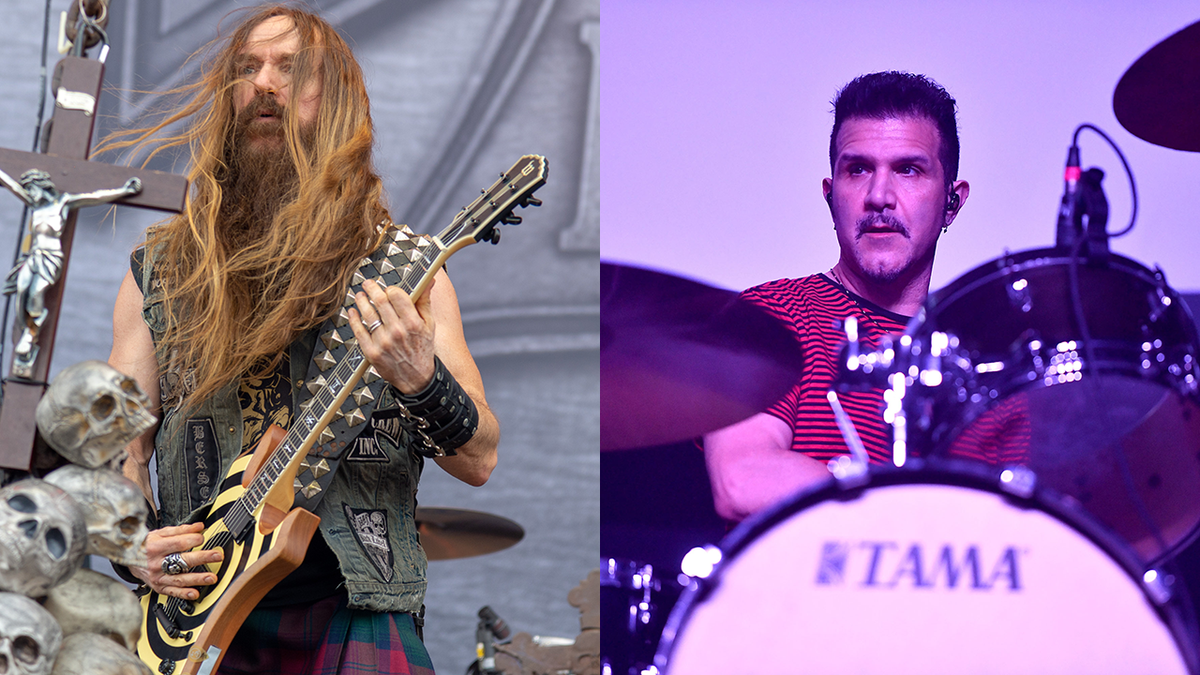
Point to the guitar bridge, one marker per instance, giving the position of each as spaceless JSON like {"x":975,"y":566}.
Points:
{"x":169,"y":624}
{"x":165,"y":621}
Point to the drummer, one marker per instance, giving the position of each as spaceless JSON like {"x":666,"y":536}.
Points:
{"x":894,"y":190}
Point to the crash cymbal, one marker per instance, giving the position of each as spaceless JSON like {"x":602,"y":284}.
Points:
{"x":679,"y":358}
{"x":1158,"y":98}
{"x":447,"y":534}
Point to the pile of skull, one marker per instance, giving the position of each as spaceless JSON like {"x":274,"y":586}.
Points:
{"x":55,"y":617}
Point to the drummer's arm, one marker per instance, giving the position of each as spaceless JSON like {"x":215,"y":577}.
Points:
{"x":752,"y":465}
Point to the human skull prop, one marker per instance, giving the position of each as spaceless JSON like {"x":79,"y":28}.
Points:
{"x":91,"y":412}
{"x":115,"y":509}
{"x":91,"y":602}
{"x":42,"y":537}
{"x":29,"y":636}
{"x":90,"y":654}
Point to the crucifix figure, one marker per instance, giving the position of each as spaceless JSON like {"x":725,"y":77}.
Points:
{"x":56,"y":183}
{"x":40,"y":267}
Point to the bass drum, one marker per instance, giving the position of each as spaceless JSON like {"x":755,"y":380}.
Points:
{"x":932,"y":571}
{"x":1108,"y":416}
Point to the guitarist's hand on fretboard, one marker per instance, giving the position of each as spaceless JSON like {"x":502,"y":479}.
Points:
{"x":401,"y":347}
{"x":163,"y":542}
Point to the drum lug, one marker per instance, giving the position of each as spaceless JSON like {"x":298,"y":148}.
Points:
{"x":1018,"y":480}
{"x":1160,"y":298}
{"x":1018,"y":294}
{"x":1158,"y":586}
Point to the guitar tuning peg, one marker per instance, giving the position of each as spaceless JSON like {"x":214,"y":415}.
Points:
{"x":512,"y":219}
{"x":495,"y":237}
{"x":531,"y":201}
{"x":482,"y":191}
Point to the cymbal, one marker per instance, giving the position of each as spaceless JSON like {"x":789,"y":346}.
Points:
{"x":1158,"y":98}
{"x":447,"y":533}
{"x":679,"y":358}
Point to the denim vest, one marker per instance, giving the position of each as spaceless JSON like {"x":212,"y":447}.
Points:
{"x":367,"y":515}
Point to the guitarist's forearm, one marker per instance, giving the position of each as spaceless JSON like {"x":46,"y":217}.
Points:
{"x":137,"y":466}
{"x":477,"y":457}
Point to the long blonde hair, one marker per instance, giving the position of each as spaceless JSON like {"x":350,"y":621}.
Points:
{"x":232,"y":313}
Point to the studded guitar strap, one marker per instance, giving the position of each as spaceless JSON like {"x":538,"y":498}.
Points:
{"x":402,"y":262}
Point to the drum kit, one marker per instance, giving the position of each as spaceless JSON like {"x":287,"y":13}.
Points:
{"x":1076,"y":365}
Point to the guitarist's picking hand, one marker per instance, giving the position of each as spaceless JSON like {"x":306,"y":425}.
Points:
{"x":401,"y":345}
{"x":180,"y":539}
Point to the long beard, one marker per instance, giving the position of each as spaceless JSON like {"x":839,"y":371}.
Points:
{"x":262,"y":177}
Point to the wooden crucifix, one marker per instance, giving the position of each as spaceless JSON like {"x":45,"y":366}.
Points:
{"x":75,"y":182}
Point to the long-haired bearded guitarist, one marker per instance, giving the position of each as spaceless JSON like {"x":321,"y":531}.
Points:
{"x":217,"y":320}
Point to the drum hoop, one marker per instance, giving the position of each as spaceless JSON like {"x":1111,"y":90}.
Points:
{"x":930,"y":471}
{"x":1019,"y":261}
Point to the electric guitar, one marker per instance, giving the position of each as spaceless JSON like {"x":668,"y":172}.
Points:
{"x":252,"y":518}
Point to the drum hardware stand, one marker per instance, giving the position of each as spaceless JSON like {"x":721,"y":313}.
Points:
{"x":898,"y":365}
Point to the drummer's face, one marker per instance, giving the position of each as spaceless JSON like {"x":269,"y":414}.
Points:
{"x":887,"y":195}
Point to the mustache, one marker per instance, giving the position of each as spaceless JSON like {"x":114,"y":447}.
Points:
{"x":260,"y":103}
{"x":876,"y":219}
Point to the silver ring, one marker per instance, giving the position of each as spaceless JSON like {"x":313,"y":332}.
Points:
{"x":173,"y":564}
{"x":374,"y":324}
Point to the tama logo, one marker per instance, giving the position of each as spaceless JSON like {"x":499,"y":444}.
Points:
{"x":888,"y":564}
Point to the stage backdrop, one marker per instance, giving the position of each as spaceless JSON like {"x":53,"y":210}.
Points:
{"x":459,"y":90}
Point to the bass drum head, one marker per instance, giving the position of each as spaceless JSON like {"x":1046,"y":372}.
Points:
{"x":922,"y":572}
{"x":1121,"y":434}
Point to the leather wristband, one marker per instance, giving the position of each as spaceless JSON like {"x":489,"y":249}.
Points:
{"x":449,"y":412}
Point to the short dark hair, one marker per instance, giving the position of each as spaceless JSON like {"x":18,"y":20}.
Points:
{"x":897,"y":94}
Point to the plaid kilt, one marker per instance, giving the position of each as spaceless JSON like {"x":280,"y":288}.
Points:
{"x":326,"y":638}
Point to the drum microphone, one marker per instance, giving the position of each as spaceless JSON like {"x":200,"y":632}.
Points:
{"x":1083,"y":197}
{"x":1066,"y":232}
{"x":495,"y":625}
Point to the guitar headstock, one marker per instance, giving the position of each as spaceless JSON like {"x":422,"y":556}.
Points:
{"x":495,"y":205}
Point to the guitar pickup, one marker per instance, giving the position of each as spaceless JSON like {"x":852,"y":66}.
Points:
{"x":240,"y":537}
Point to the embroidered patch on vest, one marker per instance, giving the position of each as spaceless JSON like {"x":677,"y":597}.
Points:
{"x":370,"y":530}
{"x":174,"y":386}
{"x":201,"y":460}
{"x":366,"y":447}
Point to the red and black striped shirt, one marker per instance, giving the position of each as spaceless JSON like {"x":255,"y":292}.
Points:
{"x":814,"y":307}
